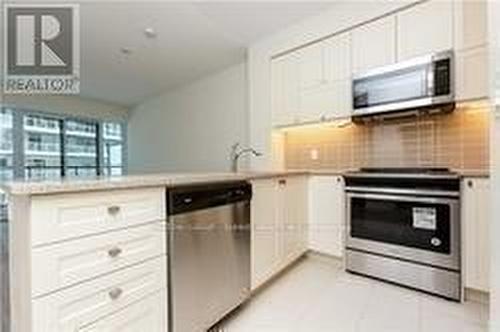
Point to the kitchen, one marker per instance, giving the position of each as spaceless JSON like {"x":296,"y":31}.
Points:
{"x":347,"y":146}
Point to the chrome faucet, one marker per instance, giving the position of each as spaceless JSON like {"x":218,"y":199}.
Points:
{"x":237,"y":152}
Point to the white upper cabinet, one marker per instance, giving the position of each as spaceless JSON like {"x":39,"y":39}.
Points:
{"x":337,"y":58}
{"x":325,"y":74}
{"x":472,"y":79}
{"x":284,"y":89}
{"x":311,"y":71}
{"x":424,"y":29}
{"x":471,"y":24}
{"x":374,"y":44}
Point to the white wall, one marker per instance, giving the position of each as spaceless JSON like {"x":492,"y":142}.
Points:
{"x":191,"y":128}
{"x":494,"y":35}
{"x":343,"y":15}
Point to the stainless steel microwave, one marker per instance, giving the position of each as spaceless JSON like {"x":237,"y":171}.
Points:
{"x":420,"y":83}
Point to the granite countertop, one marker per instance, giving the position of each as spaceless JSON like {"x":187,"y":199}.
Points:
{"x":132,"y":181}
{"x":162,"y":179}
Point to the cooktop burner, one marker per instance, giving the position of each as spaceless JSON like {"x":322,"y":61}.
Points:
{"x":405,"y":170}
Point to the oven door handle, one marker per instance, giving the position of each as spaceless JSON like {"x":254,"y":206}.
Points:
{"x":397,"y":198}
{"x":397,"y":191}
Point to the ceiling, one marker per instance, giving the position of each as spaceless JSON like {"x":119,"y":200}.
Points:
{"x":193,"y":39}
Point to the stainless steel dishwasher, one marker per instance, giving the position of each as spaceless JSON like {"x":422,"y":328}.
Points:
{"x":209,"y":253}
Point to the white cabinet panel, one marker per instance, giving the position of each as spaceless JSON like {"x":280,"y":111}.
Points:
{"x":316,"y":104}
{"x":279,"y":224}
{"x":68,"y":263}
{"x":342,"y":99}
{"x":471,"y":24}
{"x":374,"y":44}
{"x":472,"y":80}
{"x":76,"y":308}
{"x":425,"y":28}
{"x":476,"y":232}
{"x":337,"y":58}
{"x":265,"y":255}
{"x":295,"y":218}
{"x":284,"y":90}
{"x":326,"y":215}
{"x":60,"y":217}
{"x":311,"y":66}
{"x":145,"y":315}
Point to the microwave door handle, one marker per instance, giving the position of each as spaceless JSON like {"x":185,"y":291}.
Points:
{"x":396,"y":198}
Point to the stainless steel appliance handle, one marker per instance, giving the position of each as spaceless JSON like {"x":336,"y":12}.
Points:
{"x":402,"y":198}
{"x":414,"y":192}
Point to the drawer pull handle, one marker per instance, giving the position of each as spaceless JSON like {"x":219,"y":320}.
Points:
{"x":115,"y":293}
{"x":113,"y":210}
{"x":282,"y":182}
{"x":114,"y":252}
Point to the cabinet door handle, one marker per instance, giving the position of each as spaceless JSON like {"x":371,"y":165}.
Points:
{"x":114,"y":252}
{"x":282,"y":182}
{"x":113,"y":210}
{"x":470,"y":184}
{"x":115,"y":293}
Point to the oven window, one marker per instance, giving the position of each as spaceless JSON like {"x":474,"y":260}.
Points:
{"x":410,"y":224}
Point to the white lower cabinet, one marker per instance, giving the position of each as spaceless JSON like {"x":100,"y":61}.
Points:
{"x":109,"y":276}
{"x":476,"y":233}
{"x":75,"y":308}
{"x":326,"y":215}
{"x":279,"y":225}
{"x":145,"y":315}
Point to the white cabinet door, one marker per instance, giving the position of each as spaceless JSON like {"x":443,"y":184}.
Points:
{"x":74,"y":308}
{"x":476,"y":232}
{"x":284,"y":90}
{"x":326,"y":215}
{"x":425,"y":28}
{"x":264,"y":243}
{"x":325,"y":80}
{"x":471,"y":24}
{"x":146,"y":315}
{"x":472,"y":80}
{"x":337,"y":58}
{"x":310,"y":59}
{"x":374,"y":44}
{"x":294,"y":192}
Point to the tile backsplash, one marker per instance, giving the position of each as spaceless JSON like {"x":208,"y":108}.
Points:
{"x":459,"y":140}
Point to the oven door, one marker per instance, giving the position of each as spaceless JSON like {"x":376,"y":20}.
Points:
{"x":414,"y":228}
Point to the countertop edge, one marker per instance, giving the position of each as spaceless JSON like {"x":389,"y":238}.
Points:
{"x":165,"y":180}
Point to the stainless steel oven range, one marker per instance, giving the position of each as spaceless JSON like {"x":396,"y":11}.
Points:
{"x":403,"y":226}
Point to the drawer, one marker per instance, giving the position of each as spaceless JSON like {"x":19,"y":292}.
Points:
{"x":77,"y":307}
{"x":146,"y":315}
{"x":70,"y":262}
{"x":61,"y":217}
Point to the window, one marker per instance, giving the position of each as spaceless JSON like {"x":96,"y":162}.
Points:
{"x":51,"y":146}
{"x":6,"y":156}
{"x":81,"y":153}
{"x":112,"y":149}
{"x":42,"y":147}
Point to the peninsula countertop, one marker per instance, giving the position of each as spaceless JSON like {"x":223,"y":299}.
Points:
{"x":47,"y":187}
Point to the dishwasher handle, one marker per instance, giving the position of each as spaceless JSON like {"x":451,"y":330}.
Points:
{"x":199,"y":197}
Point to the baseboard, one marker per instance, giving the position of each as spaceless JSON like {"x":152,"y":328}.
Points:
{"x":478,"y":296}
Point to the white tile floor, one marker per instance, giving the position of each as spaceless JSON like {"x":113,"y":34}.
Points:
{"x":318,"y":296}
